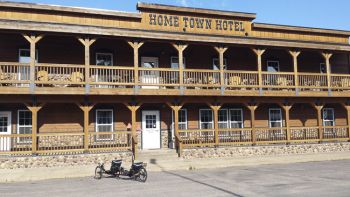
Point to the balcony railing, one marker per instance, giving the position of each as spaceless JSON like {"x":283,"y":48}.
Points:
{"x":65,"y":75}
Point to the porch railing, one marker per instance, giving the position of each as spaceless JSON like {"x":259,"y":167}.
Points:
{"x":66,"y":75}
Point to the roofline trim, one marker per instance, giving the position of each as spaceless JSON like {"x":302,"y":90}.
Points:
{"x":69,"y":9}
{"x":301,"y":29}
{"x":141,"y":5}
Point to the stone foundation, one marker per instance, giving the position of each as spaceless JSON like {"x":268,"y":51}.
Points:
{"x":7,"y":162}
{"x":251,"y":151}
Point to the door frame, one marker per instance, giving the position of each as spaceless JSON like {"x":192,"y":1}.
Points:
{"x":159,"y":124}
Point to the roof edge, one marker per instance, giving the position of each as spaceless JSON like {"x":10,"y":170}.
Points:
{"x":68,"y":9}
{"x":301,"y":29}
{"x":141,"y":5}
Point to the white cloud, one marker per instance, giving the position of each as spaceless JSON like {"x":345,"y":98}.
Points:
{"x":182,"y":2}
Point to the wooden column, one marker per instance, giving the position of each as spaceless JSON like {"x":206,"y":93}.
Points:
{"x":327,"y":57}
{"x":259,"y":53}
{"x":86,"y":109}
{"x":286,"y":107}
{"x":216,"y":107}
{"x":33,"y":40}
{"x":133,"y":107}
{"x":221,"y":50}
{"x":34,"y":109}
{"x":176,"y":108}
{"x":252,"y":107}
{"x":347,"y":107}
{"x":136,"y":46}
{"x":87,"y":42}
{"x":295,"y":55}
{"x":319,"y":108}
{"x":181,"y":48}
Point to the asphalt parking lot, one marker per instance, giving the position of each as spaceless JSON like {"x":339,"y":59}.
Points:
{"x":329,"y":178}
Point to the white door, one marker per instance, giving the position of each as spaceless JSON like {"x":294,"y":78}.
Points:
{"x":149,"y":76}
{"x":150,"y":130}
{"x":5,"y":129}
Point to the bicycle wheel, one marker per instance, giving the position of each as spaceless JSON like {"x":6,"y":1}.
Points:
{"x":142,"y":177}
{"x":98,"y":172}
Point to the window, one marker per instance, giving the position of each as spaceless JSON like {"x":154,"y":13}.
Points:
{"x":273,"y":66}
{"x":328,"y":117}
{"x":275,"y":118}
{"x":24,"y":56}
{"x":206,"y":119}
{"x":216,"y":64}
{"x":175,"y":62}
{"x":104,"y":59}
{"x":323,"y":68}
{"x":104,"y":123}
{"x":236,"y":118}
{"x":24,"y":124}
{"x":223,"y":119}
{"x":183,"y":119}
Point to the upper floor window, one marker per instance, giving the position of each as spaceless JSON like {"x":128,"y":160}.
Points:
{"x":175,"y":62}
{"x":273,"y":66}
{"x":216,"y":64}
{"x":104,"y":59}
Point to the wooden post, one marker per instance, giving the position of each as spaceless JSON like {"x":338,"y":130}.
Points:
{"x":347,"y":107}
{"x":136,"y":46}
{"x":327,"y":57}
{"x":176,"y":108}
{"x":133,"y":108}
{"x":181,"y":48}
{"x":86,"y":109}
{"x":259,"y":53}
{"x":33,"y":40}
{"x":319,"y":108}
{"x":216,"y":107}
{"x":252,"y":107}
{"x":295,"y":55}
{"x":221,"y":51}
{"x":87,"y":42}
{"x":34,"y":109}
{"x":286,"y":107}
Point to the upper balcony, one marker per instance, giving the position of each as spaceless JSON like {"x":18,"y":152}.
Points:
{"x":110,"y":66}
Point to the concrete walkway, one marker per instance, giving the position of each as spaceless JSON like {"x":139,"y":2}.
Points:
{"x":17,"y":175}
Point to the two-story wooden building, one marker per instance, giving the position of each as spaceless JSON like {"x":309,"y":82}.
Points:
{"x":76,"y":79}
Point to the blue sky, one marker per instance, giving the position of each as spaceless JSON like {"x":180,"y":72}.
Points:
{"x":331,"y":14}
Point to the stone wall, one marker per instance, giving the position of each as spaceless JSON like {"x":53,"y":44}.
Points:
{"x":7,"y":162}
{"x":251,"y":151}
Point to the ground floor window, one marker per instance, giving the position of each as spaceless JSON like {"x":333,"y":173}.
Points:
{"x":206,"y":119}
{"x":104,"y":123}
{"x":223,"y":119}
{"x":275,"y":118}
{"x":24,"y":124}
{"x":236,"y":118}
{"x":328,"y":117}
{"x":183,"y":119}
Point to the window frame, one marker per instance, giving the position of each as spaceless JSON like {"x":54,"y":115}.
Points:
{"x":273,"y":61}
{"x":242,"y":117}
{"x":227,"y":122}
{"x":101,"y":53}
{"x":23,"y":126}
{"x":200,"y":118}
{"x":218,"y":60}
{"x":281,"y":115}
{"x":176,"y":57}
{"x":26,"y":49}
{"x":97,"y":124}
{"x":186,"y":119}
{"x":323,"y":117}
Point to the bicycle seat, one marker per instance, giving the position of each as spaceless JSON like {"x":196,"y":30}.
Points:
{"x":138,"y":164}
{"x":117,"y":161}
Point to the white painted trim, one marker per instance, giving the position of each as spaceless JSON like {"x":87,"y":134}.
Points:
{"x":281,"y":116}
{"x":323,"y":120}
{"x":24,"y":49}
{"x":143,"y":124}
{"x":96,"y":122}
{"x":9,"y":113}
{"x":227,"y":115}
{"x":171,"y":62}
{"x":31,"y":126}
{"x":242,"y":116}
